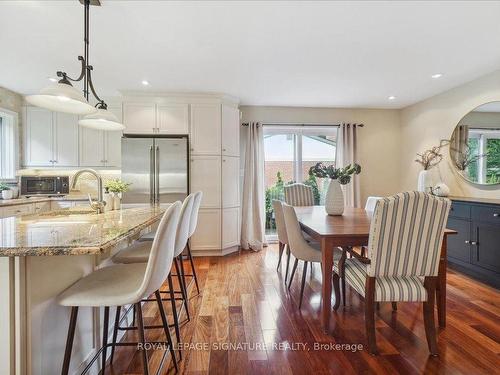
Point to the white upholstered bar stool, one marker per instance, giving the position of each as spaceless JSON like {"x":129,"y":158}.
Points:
{"x":282,"y":236}
{"x":300,"y":248}
{"x":125,"y":284}
{"x":198,"y":196}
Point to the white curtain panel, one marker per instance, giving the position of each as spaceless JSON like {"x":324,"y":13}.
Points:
{"x":252,"y":221}
{"x":347,"y":153}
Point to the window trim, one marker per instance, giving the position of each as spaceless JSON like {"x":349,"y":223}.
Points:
{"x":13,"y":118}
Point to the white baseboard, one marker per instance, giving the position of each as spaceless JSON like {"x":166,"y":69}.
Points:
{"x":215,"y":252}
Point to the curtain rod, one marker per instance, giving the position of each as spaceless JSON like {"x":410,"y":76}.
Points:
{"x":302,"y":125}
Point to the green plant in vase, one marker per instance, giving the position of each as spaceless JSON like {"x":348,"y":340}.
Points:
{"x":117,"y":187}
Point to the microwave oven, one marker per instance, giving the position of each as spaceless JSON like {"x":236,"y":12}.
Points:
{"x":44,"y":185}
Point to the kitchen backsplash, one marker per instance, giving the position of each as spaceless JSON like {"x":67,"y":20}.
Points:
{"x":86,"y":183}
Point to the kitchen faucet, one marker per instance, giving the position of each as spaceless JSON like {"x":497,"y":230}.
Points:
{"x":99,"y":205}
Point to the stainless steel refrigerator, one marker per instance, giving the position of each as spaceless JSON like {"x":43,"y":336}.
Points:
{"x":156,"y":167}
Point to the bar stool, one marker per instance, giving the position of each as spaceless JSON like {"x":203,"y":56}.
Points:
{"x":125,"y":284}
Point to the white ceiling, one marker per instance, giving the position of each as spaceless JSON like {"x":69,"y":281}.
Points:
{"x":337,"y":54}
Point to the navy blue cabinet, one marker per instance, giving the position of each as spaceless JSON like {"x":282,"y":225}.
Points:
{"x":475,"y":250}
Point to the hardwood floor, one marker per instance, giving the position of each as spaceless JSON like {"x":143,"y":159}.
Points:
{"x":244,"y":302}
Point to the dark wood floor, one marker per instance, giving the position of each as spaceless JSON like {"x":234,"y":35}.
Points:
{"x":244,"y":301}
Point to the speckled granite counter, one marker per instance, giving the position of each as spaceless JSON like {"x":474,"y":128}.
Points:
{"x":73,"y":234}
{"x":23,"y":200}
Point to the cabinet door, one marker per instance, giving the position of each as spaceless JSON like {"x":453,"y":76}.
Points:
{"x":39,"y":139}
{"x":173,"y":118}
{"x":486,"y":251}
{"x":91,"y":147}
{"x":230,"y":181}
{"x":18,"y":210}
{"x":458,"y":245}
{"x":206,"y":129}
{"x":208,"y":231}
{"x":139,"y":118}
{"x":230,"y":131}
{"x":113,"y":141}
{"x":65,"y":140}
{"x":206,"y":176}
{"x":42,"y":207}
{"x":230,"y":227}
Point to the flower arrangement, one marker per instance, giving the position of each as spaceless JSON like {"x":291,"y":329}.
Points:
{"x":343,"y":175}
{"x":116,"y":186}
{"x":4,"y":186}
{"x":432,"y":157}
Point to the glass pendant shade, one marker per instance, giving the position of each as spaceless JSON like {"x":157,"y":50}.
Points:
{"x":62,"y":97}
{"x":102,"y":120}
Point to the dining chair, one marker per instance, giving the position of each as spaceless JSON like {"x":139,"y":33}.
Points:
{"x":371,"y":202}
{"x":404,"y":248}
{"x":125,"y":284}
{"x":300,"y":248}
{"x":298,"y":195}
{"x":282,"y":236}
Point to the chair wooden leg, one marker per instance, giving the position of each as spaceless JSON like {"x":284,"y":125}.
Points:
{"x":370,"y":314}
{"x":430,"y":327}
{"x":174,"y":313}
{"x":166,"y":329}
{"x":105,"y":330}
{"x":287,"y":261}
{"x":394,"y":306}
{"x":142,"y":340}
{"x":181,"y":284}
{"x":293,"y":272}
{"x":336,"y":290}
{"x":280,"y":247}
{"x":342,"y":281}
{"x":304,"y":272}
{"x":342,"y":274}
{"x":69,"y":340}
{"x":115,"y":333}
{"x":193,"y":269}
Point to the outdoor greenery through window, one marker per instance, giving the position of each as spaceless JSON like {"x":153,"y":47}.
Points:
{"x":485,"y":145}
{"x":289,"y":153}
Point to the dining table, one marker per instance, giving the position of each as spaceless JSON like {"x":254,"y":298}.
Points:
{"x":351,"y":229}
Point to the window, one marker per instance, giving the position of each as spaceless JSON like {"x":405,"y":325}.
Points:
{"x":485,"y":144}
{"x":289,"y":153}
{"x":8,"y":145}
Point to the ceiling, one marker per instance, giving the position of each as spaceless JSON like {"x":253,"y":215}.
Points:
{"x":334,"y":54}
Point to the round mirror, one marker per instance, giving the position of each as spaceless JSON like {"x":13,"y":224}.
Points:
{"x":475,"y":145}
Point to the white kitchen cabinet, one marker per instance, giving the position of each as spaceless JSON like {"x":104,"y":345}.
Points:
{"x":172,"y":118}
{"x":40,"y":207}
{"x":139,"y":118}
{"x":206,"y":176}
{"x":65,"y":139}
{"x":206,"y":129}
{"x":208,"y":231}
{"x":230,"y":188}
{"x":230,"y":227}
{"x":17,"y":210}
{"x":230,"y":131}
{"x":38,"y":137}
{"x":113,"y":149}
{"x":91,"y":147}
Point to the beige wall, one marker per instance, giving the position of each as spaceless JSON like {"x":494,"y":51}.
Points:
{"x":378,"y":141}
{"x":424,"y":124}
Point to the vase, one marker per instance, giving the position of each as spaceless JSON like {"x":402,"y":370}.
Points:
{"x":334,"y":200}
{"x":117,"y":201}
{"x":423,"y":181}
{"x":109,"y":199}
{"x":7,"y":194}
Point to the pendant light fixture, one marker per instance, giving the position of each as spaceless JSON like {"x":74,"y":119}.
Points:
{"x":63,"y":97}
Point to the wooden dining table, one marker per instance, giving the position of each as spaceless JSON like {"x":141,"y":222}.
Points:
{"x":352,"y":229}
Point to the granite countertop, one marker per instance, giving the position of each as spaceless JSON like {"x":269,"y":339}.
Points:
{"x":476,"y":200}
{"x":24,"y":200}
{"x":74,"y":232}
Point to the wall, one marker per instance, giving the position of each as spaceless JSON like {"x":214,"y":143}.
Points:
{"x":378,"y":141}
{"x":424,"y":124}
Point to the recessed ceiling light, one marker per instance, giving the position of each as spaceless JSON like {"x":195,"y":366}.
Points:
{"x":437,"y":75}
{"x":52,"y":79}
{"x":392,"y":97}
{"x":145,"y":83}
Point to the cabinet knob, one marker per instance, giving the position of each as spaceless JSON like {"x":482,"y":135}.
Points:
{"x":223,"y":149}
{"x":474,"y":243}
{"x":192,"y":149}
{"x":496,"y":215}
{"x":467,"y":242}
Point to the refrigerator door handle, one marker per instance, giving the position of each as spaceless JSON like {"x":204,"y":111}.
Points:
{"x":157,"y":174}
{"x":151,"y":175}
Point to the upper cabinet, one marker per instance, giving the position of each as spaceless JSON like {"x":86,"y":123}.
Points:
{"x":206,"y":129}
{"x":230,"y":131}
{"x":172,"y":118}
{"x":139,"y":118}
{"x":51,"y":139}
{"x":151,"y":118}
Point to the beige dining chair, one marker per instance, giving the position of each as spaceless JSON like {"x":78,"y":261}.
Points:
{"x":404,"y":248}
{"x":282,"y":236}
{"x":298,"y":195}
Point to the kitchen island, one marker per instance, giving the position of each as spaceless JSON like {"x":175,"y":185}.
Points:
{"x":40,"y":256}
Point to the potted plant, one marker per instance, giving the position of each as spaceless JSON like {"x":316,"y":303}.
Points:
{"x":6,"y":192}
{"x":334,"y":200}
{"x":116,"y":187}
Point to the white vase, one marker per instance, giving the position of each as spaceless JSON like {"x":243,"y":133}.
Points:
{"x":334,"y":200}
{"x":109,"y":200}
{"x":117,"y":201}
{"x":7,"y":194}
{"x":423,"y":181}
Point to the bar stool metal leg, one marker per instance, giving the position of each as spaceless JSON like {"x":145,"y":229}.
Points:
{"x":183,"y":289}
{"x":115,"y":332}
{"x":192,"y":267}
{"x":166,"y":329}
{"x":69,"y":340}
{"x":142,"y":340}
{"x":174,"y":312}
{"x":105,"y":338}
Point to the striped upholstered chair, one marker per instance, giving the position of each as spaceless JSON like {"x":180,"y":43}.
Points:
{"x":299,"y":195}
{"x":404,"y":248}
